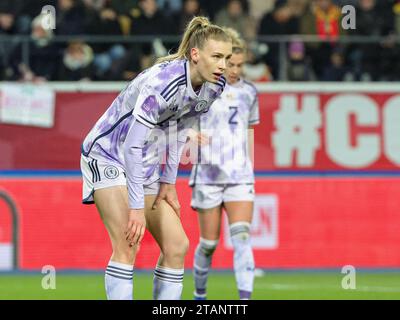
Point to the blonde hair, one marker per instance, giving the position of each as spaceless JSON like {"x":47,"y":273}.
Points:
{"x":197,"y":32}
{"x":238,"y":44}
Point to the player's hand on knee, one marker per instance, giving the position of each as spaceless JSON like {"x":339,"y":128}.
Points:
{"x":174,"y":203}
{"x":168,"y":193}
{"x":136,"y":226}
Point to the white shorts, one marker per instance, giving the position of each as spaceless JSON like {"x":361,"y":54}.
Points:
{"x":98,"y":174}
{"x":206,"y":196}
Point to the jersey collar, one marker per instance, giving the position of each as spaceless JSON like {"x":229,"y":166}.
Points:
{"x":189,"y":87}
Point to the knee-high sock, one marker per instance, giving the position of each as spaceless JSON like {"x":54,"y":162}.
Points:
{"x":201,"y":265}
{"x":167,"y":283}
{"x":118,"y":281}
{"x":243,"y":259}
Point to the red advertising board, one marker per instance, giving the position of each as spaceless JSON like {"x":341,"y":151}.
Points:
{"x":298,"y":223}
{"x":307,"y":130}
{"x":328,"y":131}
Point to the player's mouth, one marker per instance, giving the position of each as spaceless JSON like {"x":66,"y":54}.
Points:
{"x":217,"y":75}
{"x":232,"y":78}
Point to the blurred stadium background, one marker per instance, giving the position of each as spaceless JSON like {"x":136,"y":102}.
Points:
{"x":327,"y":151}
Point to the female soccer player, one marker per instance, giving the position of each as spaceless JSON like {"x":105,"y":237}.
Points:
{"x":120,"y":157}
{"x":224,"y":177}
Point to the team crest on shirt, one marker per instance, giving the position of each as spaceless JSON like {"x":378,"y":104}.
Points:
{"x":111,"y":172}
{"x":201,"y":105}
{"x":230,"y":96}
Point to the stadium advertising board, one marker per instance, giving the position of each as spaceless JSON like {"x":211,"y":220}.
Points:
{"x":299,"y":223}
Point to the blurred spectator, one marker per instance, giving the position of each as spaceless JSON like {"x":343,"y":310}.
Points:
{"x":337,"y":70}
{"x":130,"y":66}
{"x":323,"y":19}
{"x":257,"y":8}
{"x":212,"y":7}
{"x":104,"y":21}
{"x":7,"y":21}
{"x":255,"y":68}
{"x":389,"y":60}
{"x":94,"y":4}
{"x":77,"y":62}
{"x":170,"y":6}
{"x":298,"y":68}
{"x":151,"y":21}
{"x":123,"y":7}
{"x":396,"y":11}
{"x":342,"y":3}
{"x":324,"y":60}
{"x":366,"y":58}
{"x":43,"y":59}
{"x":70,"y":17}
{"x":30,"y":10}
{"x":190,"y":9}
{"x":7,"y":27}
{"x":283,"y":20}
{"x":234,"y":16}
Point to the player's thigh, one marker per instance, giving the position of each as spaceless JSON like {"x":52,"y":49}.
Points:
{"x":210,"y":222}
{"x":206,"y":196}
{"x":164,"y":225}
{"x":112,"y":204}
{"x":239,"y":202}
{"x":207,"y":200}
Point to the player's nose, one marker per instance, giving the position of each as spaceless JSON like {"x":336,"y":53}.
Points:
{"x":222,"y":65}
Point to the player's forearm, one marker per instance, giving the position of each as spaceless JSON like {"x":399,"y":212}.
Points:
{"x":171,"y":167}
{"x":133,"y":154}
{"x":134,"y":177}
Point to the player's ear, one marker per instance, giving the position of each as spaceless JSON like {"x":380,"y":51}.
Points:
{"x":195,"y":55}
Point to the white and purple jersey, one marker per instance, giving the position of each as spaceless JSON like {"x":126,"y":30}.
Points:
{"x":226,"y":159}
{"x":157,"y":97}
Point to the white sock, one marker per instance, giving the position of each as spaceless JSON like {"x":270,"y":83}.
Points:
{"x":167,"y":283}
{"x":118,"y":281}
{"x":201,"y":265}
{"x":243,"y":259}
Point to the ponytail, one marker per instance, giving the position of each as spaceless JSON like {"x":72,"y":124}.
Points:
{"x":197,"y":32}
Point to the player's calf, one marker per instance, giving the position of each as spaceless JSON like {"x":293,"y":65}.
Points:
{"x":243,"y":260}
{"x":201,"y":265}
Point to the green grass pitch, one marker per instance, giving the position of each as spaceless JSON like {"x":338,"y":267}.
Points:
{"x":270,"y":286}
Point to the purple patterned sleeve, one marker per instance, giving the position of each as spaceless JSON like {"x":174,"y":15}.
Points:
{"x":175,"y":151}
{"x":148,"y":107}
{"x":134,"y":143}
{"x":172,"y":164}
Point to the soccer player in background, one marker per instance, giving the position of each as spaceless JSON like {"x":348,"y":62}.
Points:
{"x":120,"y":157}
{"x":224,"y":177}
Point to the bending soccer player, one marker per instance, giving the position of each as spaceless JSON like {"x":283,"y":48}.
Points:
{"x":120,"y":157}
{"x":224,"y":178}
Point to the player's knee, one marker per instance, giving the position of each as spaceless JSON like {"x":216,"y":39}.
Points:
{"x":177,"y":248}
{"x":124,"y":253}
{"x":207,"y":247}
{"x":240,"y":232}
